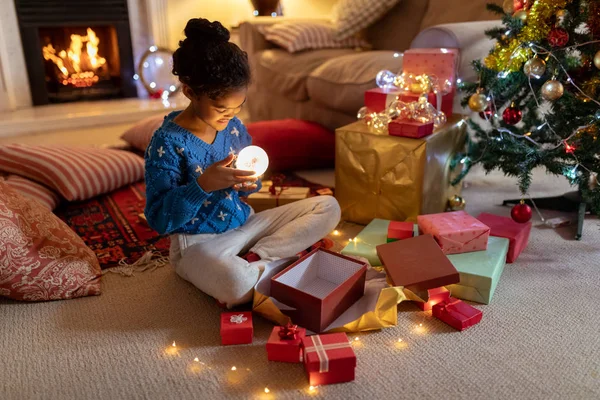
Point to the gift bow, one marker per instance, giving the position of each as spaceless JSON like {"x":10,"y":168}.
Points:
{"x":238,"y":319}
{"x":446,"y":304}
{"x":289,"y":332}
{"x":321,"y":350}
{"x":277,"y":181}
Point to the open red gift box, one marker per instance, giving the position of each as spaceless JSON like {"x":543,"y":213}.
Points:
{"x":320,"y":286}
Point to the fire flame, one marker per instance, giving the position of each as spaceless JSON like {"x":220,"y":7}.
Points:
{"x":77,"y":67}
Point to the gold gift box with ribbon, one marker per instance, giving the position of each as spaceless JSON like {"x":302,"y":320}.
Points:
{"x":264,"y":199}
{"x":395,"y":178}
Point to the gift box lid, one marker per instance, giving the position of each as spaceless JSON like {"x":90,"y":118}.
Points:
{"x":417,"y":263}
{"x":321,"y":286}
{"x":479,"y":271}
{"x":374,"y":234}
{"x":231,"y":321}
{"x":328,"y":352}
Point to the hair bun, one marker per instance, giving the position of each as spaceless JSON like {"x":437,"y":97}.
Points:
{"x":201,"y":29}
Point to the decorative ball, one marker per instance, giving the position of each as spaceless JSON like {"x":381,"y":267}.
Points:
{"x":552,"y":90}
{"x":512,"y":115}
{"x":521,"y":14}
{"x":416,"y":88}
{"x":486,"y":114}
{"x":521,"y":213}
{"x":456,"y":203}
{"x":535,"y":67}
{"x":558,"y":37}
{"x":478,"y":102}
{"x":597,"y":59}
{"x":385,"y":79}
{"x":508,"y":6}
{"x":252,"y":158}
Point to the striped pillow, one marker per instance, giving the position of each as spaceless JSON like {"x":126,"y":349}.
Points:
{"x":33,"y":190}
{"x":77,"y":173}
{"x":298,"y":36}
{"x":352,"y":16}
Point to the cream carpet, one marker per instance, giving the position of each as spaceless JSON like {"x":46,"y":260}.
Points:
{"x":539,"y":339}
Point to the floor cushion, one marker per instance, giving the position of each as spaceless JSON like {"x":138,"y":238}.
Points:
{"x":139,"y":135}
{"x":33,"y":190}
{"x":41,"y":258}
{"x":294,"y":144}
{"x":77,"y":173}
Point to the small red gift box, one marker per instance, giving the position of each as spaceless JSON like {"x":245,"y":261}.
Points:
{"x":236,"y":328}
{"x":320,"y":286}
{"x":456,"y":232}
{"x":378,"y":99}
{"x":285,"y":344}
{"x":457,"y":314}
{"x":516,"y":233}
{"x":398,"y":230}
{"x":329,"y":359}
{"x":409,"y":128}
{"x":434,"y":296}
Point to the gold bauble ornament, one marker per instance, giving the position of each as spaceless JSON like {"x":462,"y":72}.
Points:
{"x":478,"y":102}
{"x":416,"y":88}
{"x":552,"y":90}
{"x":535,"y":67}
{"x":521,"y":14}
{"x":456,"y":203}
{"x":597,"y":59}
{"x":508,"y":6}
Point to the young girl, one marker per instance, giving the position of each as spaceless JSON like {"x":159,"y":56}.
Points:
{"x":193,"y":191}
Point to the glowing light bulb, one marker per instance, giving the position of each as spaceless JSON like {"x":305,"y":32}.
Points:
{"x":173,"y":344}
{"x":136,"y":77}
{"x":336,"y":232}
{"x":420,"y":325}
{"x":312,"y":388}
{"x":350,"y":239}
{"x":158,"y":61}
{"x":273,"y":14}
{"x":267,"y":390}
{"x":233,"y":368}
{"x":356,"y":339}
{"x":255,"y":13}
{"x":253,"y":158}
{"x":152,"y":85}
{"x":196,"y":359}
{"x":172,"y":88}
{"x":385,"y":79}
{"x":153,"y":48}
{"x":396,"y":55}
{"x":399,"y":340}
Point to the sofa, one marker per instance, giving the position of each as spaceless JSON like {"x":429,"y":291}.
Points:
{"x":327,"y":86}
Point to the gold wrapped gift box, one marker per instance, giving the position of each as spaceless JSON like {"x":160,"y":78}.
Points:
{"x":264,"y":200}
{"x":395,"y":178}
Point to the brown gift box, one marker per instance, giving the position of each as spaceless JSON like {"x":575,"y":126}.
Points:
{"x":417,"y":263}
{"x":320,"y":286}
{"x":395,"y":178}
{"x":264,"y":200}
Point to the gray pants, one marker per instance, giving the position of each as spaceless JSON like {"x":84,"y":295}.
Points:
{"x":211,"y":262}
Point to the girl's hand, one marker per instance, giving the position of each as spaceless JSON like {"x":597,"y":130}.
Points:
{"x":219,"y":176}
{"x":245,"y":187}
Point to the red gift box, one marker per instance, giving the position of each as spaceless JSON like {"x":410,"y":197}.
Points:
{"x":433,"y":297}
{"x":378,"y":99}
{"x":236,"y":328}
{"x":285,"y":344}
{"x":457,"y":314}
{"x":398,"y":230}
{"x":328,"y":359}
{"x":409,"y":128}
{"x":516,"y":233}
{"x":320,"y":286}
{"x":447,"y":100}
{"x":456,"y":232}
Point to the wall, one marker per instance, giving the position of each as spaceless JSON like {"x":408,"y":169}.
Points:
{"x":231,"y":12}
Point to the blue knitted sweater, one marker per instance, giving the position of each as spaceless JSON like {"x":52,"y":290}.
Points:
{"x":175,"y":203}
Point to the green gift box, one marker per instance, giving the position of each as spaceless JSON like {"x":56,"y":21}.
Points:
{"x":367,"y":240}
{"x":479,"y":271}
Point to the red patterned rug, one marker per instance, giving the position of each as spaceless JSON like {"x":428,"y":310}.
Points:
{"x":110,"y":225}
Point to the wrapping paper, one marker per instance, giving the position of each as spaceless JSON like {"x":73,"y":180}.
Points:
{"x":236,"y":328}
{"x":378,"y":99}
{"x":377,"y":309}
{"x":456,"y":232}
{"x":374,"y":234}
{"x":395,"y":178}
{"x":285,"y":350}
{"x":516,"y":233}
{"x":411,"y":129}
{"x":443,"y":63}
{"x":329,"y":359}
{"x":264,"y":200}
{"x":457,"y":314}
{"x":479,"y":271}
{"x":401,"y":230}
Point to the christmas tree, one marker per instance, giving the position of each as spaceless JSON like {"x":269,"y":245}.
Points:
{"x":538,"y":95}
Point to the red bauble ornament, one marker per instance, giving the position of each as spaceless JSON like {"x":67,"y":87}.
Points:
{"x":558,"y":37}
{"x":157,"y":94}
{"x":512,"y":115}
{"x":521,"y":213}
{"x":518,"y":5}
{"x":486,"y":114}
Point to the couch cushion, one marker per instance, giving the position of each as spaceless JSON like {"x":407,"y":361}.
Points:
{"x":457,"y":11}
{"x":286,"y":73}
{"x":340,"y":83}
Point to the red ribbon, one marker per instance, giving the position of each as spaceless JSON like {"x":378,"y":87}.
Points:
{"x":447,"y":304}
{"x":289,"y":332}
{"x":277,"y":181}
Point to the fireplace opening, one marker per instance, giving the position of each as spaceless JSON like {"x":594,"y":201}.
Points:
{"x":80,"y":62}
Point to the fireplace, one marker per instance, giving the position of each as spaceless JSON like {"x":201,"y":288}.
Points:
{"x":76,"y":50}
